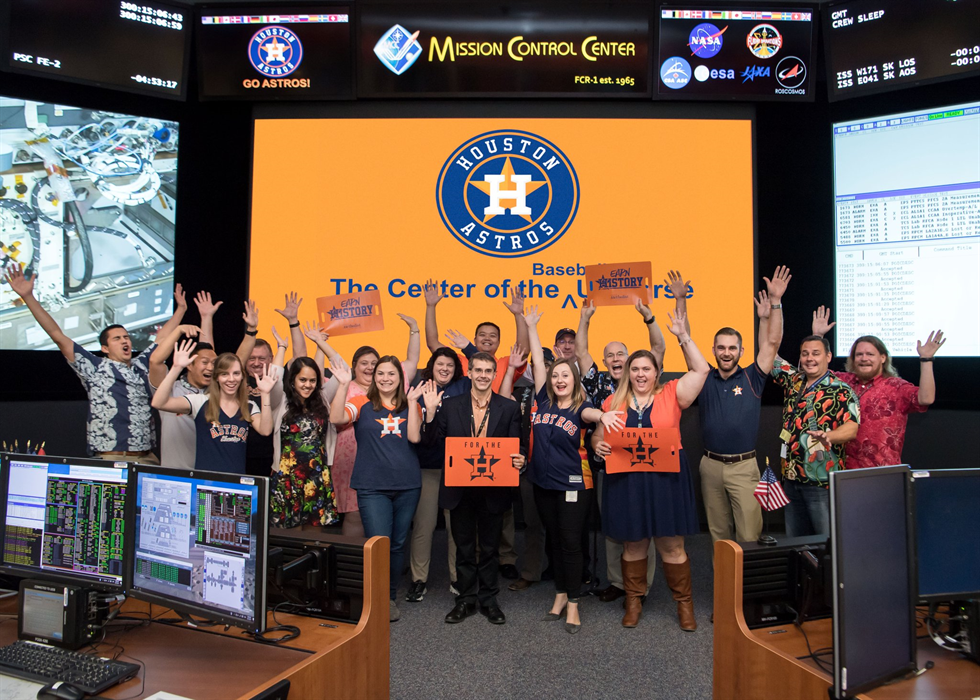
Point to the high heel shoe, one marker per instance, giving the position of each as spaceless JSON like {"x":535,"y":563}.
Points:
{"x":573,"y":629}
{"x":553,"y":617}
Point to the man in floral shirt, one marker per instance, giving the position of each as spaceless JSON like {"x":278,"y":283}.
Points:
{"x":886,"y":399}
{"x":820,"y":415}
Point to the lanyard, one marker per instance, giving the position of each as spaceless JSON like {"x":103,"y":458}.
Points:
{"x":639,"y":413}
{"x":476,"y":432}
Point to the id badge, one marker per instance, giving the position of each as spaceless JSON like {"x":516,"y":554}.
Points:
{"x":571,"y":497}
{"x":785,"y":435}
{"x":783,"y":450}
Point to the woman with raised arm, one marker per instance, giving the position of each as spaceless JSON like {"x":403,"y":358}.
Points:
{"x":639,"y":505}
{"x":362,"y":368}
{"x":561,"y":477}
{"x":222,"y":416}
{"x":386,"y":425}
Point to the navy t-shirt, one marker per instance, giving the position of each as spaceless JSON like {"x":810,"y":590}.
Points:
{"x":556,"y":461}
{"x":220,"y":447}
{"x":730,"y":410}
{"x":386,"y":460}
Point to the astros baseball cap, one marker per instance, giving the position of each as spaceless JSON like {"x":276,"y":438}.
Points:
{"x":564,"y":331}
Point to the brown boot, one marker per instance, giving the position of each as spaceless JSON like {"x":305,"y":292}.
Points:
{"x":635,"y":585}
{"x":679,"y":581}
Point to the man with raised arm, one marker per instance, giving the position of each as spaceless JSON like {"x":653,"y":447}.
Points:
{"x":599,"y":385}
{"x":730,"y":405}
{"x":886,"y":399}
{"x":120,"y":424}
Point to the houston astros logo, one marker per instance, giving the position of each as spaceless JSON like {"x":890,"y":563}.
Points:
{"x":275,"y":51}
{"x":507,"y":193}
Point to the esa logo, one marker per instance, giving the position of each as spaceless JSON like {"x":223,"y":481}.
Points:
{"x":705,"y":40}
{"x":275,"y":51}
{"x":701,"y":73}
{"x":507,"y":193}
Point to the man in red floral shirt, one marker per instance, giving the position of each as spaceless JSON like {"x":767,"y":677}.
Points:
{"x":886,"y":399}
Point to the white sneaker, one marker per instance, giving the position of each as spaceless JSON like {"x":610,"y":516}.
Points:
{"x":393,"y":613}
{"x":452,"y":589}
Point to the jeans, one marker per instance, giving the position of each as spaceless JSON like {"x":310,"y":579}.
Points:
{"x":389,"y":514}
{"x":808,"y":511}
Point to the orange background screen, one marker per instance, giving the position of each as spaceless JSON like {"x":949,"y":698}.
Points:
{"x":355,"y":200}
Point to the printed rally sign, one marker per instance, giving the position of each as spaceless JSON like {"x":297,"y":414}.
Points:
{"x":618,"y":284}
{"x":644,"y":450}
{"x":345,"y":314}
{"x":481,"y":462}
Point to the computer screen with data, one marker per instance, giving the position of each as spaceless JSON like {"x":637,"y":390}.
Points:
{"x":199,"y":541}
{"x":63,"y":519}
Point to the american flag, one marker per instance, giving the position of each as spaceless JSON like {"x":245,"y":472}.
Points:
{"x":769,"y":493}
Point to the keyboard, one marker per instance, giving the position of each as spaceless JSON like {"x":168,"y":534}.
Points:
{"x":46,"y":664}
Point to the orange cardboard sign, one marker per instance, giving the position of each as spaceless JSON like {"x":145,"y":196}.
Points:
{"x":481,"y":461}
{"x":619,"y":284}
{"x":644,"y":450}
{"x":344,"y":314}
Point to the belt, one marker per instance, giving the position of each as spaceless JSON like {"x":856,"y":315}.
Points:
{"x":127,"y":453}
{"x":730,"y":459}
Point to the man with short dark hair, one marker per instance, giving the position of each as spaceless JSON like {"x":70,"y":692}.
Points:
{"x":120,"y":423}
{"x":730,"y":405}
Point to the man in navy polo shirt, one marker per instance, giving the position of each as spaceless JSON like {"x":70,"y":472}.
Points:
{"x":730,"y":404}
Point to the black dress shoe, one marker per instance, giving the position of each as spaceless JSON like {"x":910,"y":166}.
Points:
{"x":608,"y":595}
{"x":493,"y":613}
{"x":460,"y":612}
{"x":509,"y":571}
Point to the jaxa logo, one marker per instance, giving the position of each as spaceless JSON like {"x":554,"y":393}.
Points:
{"x":507,"y":193}
{"x":398,"y":49}
{"x":275,"y":51}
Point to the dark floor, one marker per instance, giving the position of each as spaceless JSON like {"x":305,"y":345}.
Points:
{"x":528,"y":658}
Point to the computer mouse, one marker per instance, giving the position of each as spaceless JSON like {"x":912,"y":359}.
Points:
{"x":59,"y":690}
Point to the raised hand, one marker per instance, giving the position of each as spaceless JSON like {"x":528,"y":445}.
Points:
{"x":413,"y":325}
{"x":279,"y":341}
{"x":415,"y":393}
{"x":821,"y":321}
{"x":251,"y":315}
{"x":184,"y":353}
{"x":341,"y":371}
{"x":291,"y":310}
{"x":205,"y":307}
{"x":457,"y":339}
{"x":315,"y":333}
{"x":676,"y":284}
{"x":431,"y":395}
{"x":613,"y":421}
{"x":677,"y":323}
{"x":516,"y":305}
{"x":532,"y":316}
{"x":432,"y":295}
{"x":762,"y":307}
{"x":180,"y":298}
{"x":588,"y":309}
{"x":265,"y":381}
{"x":931,"y":346}
{"x":516,"y":359}
{"x":189,"y":330}
{"x":643,"y":310}
{"x":23,"y":286}
{"x":777,"y":285}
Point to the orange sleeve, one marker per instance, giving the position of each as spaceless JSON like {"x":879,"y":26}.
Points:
{"x":354,"y":405}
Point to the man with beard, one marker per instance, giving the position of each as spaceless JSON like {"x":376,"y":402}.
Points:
{"x":886,"y":399}
{"x":730,"y":404}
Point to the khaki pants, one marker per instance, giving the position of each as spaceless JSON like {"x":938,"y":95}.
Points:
{"x":614,"y":551}
{"x":148,"y":458}
{"x":424,"y":525}
{"x":728,"y":493}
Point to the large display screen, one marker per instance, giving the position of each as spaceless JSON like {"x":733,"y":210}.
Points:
{"x":269,"y":53}
{"x":390,"y":203}
{"x":134,"y":46}
{"x":88,"y":205}
{"x":601,"y":49}
{"x":878,"y":45}
{"x":903,"y":225}
{"x":64,"y":518}
{"x":736,"y":53}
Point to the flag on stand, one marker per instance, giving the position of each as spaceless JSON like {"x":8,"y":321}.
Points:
{"x":769,"y":493}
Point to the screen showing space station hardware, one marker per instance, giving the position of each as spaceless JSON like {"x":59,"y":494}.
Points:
{"x":133,"y":46}
{"x":736,"y":53}
{"x":878,"y":45}
{"x":88,"y":204}
{"x":259,"y":52}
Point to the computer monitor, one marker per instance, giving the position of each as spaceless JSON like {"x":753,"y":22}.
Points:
{"x":874,"y":577}
{"x":947,"y":547}
{"x":63,"y":519}
{"x":199,"y":543}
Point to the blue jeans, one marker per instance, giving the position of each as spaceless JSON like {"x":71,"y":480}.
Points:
{"x":389,"y":514}
{"x":808,"y":511}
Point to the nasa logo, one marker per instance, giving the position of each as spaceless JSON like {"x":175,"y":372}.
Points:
{"x":790,"y":72}
{"x":275,"y":51}
{"x":507,"y":193}
{"x":398,"y":49}
{"x":764,"y":41}
{"x":705,"y":40}
{"x":675,"y":72}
